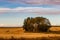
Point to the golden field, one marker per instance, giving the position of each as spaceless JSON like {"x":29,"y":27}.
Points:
{"x":18,"y":32}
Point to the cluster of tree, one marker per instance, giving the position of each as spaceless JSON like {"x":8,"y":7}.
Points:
{"x":37,"y":24}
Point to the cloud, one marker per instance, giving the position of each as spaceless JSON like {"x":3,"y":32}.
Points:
{"x":1,"y":24}
{"x":35,"y":10}
{"x":36,"y":2}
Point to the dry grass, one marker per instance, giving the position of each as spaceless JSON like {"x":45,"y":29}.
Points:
{"x":37,"y":38}
{"x":11,"y":30}
{"x":18,"y":33}
{"x":55,"y":28}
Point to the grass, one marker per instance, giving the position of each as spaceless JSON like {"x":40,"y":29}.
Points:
{"x":19,"y":34}
{"x":38,"y":38}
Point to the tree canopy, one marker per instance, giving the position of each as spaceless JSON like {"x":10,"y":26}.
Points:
{"x":36,"y":24}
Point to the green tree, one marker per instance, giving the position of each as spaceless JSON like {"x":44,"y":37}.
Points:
{"x":36,"y":24}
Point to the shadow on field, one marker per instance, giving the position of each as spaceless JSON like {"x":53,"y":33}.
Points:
{"x":38,"y":38}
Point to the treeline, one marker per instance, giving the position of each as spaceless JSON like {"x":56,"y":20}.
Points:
{"x":37,"y":24}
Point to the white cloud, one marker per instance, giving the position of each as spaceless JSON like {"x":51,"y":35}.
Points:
{"x":40,"y":2}
{"x":1,"y":24}
{"x":36,"y":10}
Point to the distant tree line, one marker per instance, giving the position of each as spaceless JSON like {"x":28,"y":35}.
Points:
{"x":37,"y":24}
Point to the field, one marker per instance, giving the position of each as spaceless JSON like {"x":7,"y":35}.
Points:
{"x":19,"y":33}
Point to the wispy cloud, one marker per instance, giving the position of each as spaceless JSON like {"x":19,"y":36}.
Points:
{"x":29,"y":3}
{"x":35,"y":10}
{"x":51,"y":2}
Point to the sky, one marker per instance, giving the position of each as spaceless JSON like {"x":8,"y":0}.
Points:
{"x":13,"y":12}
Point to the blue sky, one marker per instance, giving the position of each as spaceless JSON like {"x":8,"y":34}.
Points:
{"x":13,"y":12}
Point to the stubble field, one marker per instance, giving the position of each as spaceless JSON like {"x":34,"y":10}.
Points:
{"x":19,"y":33}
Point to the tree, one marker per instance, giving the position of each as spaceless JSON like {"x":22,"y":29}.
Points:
{"x":26,"y":25}
{"x":44,"y":24}
{"x":36,"y":24}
